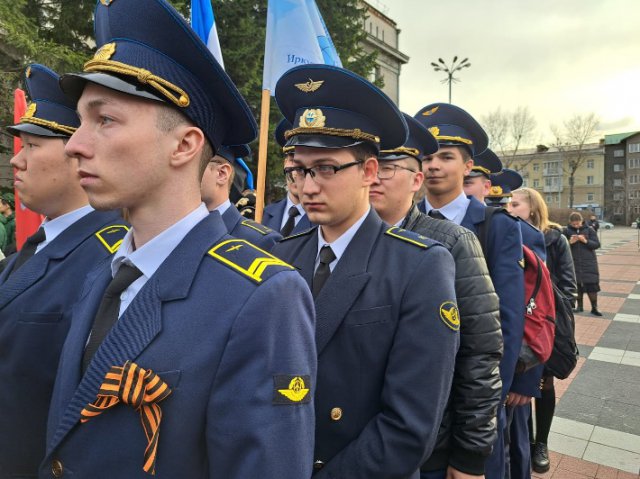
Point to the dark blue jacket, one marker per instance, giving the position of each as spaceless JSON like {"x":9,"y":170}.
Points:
{"x":212,"y":323}
{"x":241,"y":227}
{"x":386,"y":352}
{"x":504,"y":251}
{"x":35,"y":313}
{"x":273,"y":214}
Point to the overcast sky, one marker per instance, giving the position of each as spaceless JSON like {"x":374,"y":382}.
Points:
{"x":558,"y":57}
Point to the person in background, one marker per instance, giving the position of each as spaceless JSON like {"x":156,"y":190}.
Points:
{"x":527,"y":203}
{"x":216,"y":184}
{"x":593,"y":222}
{"x":287,"y":215}
{"x":8,"y":222}
{"x":584,"y":243}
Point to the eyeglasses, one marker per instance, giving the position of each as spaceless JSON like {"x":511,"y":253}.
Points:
{"x":318,"y":173}
{"x":386,"y":172}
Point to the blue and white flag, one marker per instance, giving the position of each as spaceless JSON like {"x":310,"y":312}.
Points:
{"x":296,"y":35}
{"x":204,"y":24}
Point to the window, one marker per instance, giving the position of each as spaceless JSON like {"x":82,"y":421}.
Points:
{"x":618,"y":210}
{"x":383,"y":34}
{"x":589,"y":180}
{"x":590,"y":164}
{"x":536,"y":183}
{"x":617,"y":182}
{"x":634,"y":179}
{"x":618,"y":168}
{"x":634,"y":147}
{"x":618,"y":153}
{"x":376,"y":31}
{"x":551,"y":168}
{"x":536,"y":167}
{"x":548,"y":198}
{"x":634,"y":162}
{"x":590,"y":196}
{"x":618,"y":195}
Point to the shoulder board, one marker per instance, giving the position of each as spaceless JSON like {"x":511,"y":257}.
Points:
{"x":247,"y":259}
{"x":254,"y":225}
{"x":408,"y":236}
{"x":111,"y":237}
{"x":297,"y":235}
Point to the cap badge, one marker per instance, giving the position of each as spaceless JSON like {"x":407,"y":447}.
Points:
{"x":495,"y":191}
{"x":434,"y":130}
{"x":31,"y":110}
{"x":312,"y":119}
{"x":309,"y":86}
{"x":430,"y":112}
{"x":106,"y":51}
{"x":106,"y":2}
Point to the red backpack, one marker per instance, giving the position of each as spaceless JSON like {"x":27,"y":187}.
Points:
{"x":540,"y":304}
{"x":540,"y":310}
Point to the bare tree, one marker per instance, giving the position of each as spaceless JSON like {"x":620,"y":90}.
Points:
{"x":508,"y":132}
{"x":570,"y":142}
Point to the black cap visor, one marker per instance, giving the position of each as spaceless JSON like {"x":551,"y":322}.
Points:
{"x":73,"y":84}
{"x":32,"y":129}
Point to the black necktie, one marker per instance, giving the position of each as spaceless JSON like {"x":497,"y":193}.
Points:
{"x":323,"y":272}
{"x":291,"y":221}
{"x":29,"y":248}
{"x":108,"y":311}
{"x":436,"y":214}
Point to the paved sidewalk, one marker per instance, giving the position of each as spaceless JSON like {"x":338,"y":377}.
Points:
{"x":596,"y":428}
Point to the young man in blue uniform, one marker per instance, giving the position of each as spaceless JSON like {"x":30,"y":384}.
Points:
{"x":468,"y":429}
{"x":216,"y":184}
{"x":287,"y":215}
{"x":386,"y":341}
{"x":526,"y":385}
{"x":460,"y":138}
{"x":183,"y":360}
{"x":42,"y":282}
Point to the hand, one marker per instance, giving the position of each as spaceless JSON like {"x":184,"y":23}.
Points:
{"x":573,"y":239}
{"x":582,"y":238}
{"x":453,"y":473}
{"x":515,"y":399}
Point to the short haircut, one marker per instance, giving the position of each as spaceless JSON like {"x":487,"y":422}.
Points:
{"x":364,"y":150}
{"x":575,"y":216}
{"x":168,"y":119}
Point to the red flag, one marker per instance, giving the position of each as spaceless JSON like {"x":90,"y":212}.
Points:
{"x":27,"y":221}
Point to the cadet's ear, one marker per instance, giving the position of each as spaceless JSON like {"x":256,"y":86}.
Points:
{"x":189,"y":144}
{"x":468,"y":165}
{"x":370,"y":168}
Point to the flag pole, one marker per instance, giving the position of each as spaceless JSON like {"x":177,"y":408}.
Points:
{"x":262,"y":153}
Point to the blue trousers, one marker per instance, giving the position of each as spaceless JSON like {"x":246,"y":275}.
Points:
{"x":495,"y":465}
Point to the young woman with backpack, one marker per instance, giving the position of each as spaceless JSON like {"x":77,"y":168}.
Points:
{"x":529,"y":205}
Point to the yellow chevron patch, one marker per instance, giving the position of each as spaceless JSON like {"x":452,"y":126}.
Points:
{"x":248,"y":259}
{"x":111,"y":237}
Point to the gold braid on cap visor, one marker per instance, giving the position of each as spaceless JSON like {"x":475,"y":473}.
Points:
{"x":407,"y":151}
{"x":455,"y":138}
{"x":167,"y":89}
{"x":356,"y":133}
{"x":481,"y":169}
{"x":52,"y":125}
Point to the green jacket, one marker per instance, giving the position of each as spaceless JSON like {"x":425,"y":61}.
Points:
{"x":9,"y":223}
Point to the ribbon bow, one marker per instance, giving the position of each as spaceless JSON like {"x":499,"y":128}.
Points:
{"x":139,"y":388}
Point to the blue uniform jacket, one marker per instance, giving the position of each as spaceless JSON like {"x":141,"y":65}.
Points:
{"x":504,"y":251}
{"x":212,"y":323}
{"x":244,"y":228}
{"x":528,"y":383}
{"x":386,"y":351}
{"x":273,"y":214}
{"x":35,"y":312}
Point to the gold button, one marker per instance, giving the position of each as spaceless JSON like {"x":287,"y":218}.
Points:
{"x":336,"y":414}
{"x":56,"y":468}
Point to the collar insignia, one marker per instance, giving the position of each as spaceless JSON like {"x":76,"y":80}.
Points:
{"x":312,"y":119}
{"x":450,"y":315}
{"x":291,"y":389}
{"x":309,"y":86}
{"x":430,"y":112}
{"x":111,"y":237}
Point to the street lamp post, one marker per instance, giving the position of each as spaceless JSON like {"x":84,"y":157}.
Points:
{"x":455,"y":66}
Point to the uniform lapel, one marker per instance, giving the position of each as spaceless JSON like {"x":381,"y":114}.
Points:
{"x":34,"y":269}
{"x":474,"y":215}
{"x":231,"y":218}
{"x":142,"y":321}
{"x":347,"y":280}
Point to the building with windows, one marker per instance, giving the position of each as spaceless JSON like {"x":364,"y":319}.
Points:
{"x":383,"y":35}
{"x":622,"y":177}
{"x":548,"y":171}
